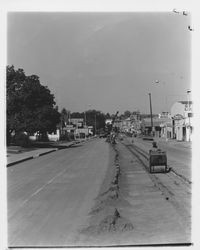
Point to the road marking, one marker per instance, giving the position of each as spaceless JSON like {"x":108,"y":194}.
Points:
{"x":42,"y":187}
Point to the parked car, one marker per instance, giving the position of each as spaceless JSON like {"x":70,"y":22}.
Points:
{"x":148,"y":138}
{"x":104,"y":135}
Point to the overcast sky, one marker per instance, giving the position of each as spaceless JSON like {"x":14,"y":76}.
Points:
{"x":104,"y":61}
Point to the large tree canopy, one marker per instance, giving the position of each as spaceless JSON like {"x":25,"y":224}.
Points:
{"x":30,"y":105}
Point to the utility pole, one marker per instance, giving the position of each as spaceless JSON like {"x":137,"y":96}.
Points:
{"x":95,"y":123}
{"x":151,"y":113}
{"x":85,"y":118}
{"x":69,"y":118}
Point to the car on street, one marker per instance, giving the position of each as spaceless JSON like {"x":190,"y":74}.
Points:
{"x":103,"y":135}
{"x":148,"y":138}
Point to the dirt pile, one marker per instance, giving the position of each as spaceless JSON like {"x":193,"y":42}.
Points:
{"x":106,"y":215}
{"x":114,"y":222}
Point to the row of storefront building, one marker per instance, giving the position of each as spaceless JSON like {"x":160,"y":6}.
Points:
{"x":76,"y":129}
{"x":177,"y":124}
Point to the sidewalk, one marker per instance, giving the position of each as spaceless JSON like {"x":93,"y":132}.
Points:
{"x":175,"y":143}
{"x":16,"y":158}
{"x":170,"y":142}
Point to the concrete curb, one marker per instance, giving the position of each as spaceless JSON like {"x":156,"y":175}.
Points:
{"x":30,"y":157}
{"x":38,"y":155}
{"x":19,"y":161}
{"x":41,"y":154}
{"x":45,"y":153}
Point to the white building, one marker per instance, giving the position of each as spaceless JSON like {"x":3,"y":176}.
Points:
{"x":108,"y":121}
{"x":182,"y":121}
{"x":162,"y":126}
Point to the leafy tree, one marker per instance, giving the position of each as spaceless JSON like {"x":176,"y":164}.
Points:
{"x":77,"y":115}
{"x":108,"y":116}
{"x":64,"y":117}
{"x":127,"y":113}
{"x":30,"y":105}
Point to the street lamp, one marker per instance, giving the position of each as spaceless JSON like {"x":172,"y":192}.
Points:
{"x":188,"y":98}
{"x":188,"y":109}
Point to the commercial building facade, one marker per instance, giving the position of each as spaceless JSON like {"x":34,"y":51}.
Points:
{"x":182,"y":121}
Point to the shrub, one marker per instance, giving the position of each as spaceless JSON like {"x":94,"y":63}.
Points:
{"x":64,"y":137}
{"x":22,"y":140}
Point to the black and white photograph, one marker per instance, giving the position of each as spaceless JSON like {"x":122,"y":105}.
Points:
{"x":99,"y":128}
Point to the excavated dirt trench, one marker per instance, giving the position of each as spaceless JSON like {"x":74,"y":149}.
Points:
{"x":106,"y":216}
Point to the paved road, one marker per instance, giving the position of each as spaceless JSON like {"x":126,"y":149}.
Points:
{"x":179,"y":158}
{"x":49,"y":197}
{"x":156,"y":219}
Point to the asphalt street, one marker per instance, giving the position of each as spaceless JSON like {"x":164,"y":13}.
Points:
{"x":49,"y":197}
